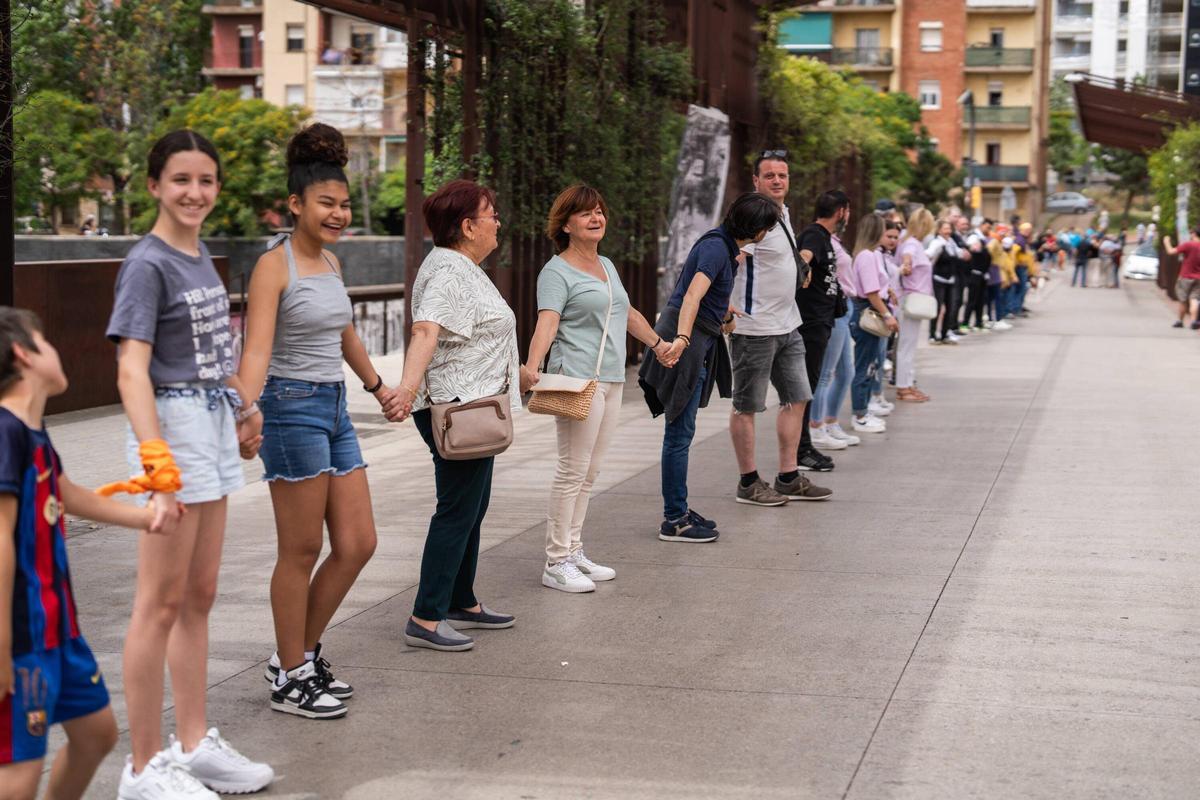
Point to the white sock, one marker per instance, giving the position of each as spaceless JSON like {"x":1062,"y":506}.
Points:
{"x":310,"y":655}
{"x":281,"y":679}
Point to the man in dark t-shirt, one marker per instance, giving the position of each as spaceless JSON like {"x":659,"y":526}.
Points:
{"x":820,"y":301}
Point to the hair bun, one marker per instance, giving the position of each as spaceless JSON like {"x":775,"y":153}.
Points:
{"x":318,"y":143}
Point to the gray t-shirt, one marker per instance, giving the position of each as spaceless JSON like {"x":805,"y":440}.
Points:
{"x":177,"y":303}
{"x":581,"y":302}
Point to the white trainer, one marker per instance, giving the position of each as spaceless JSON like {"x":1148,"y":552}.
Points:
{"x":597,"y":572}
{"x":883,"y":401}
{"x":1002,"y":326}
{"x":834,"y":429}
{"x":162,"y":779}
{"x":869,"y":424}
{"x":876,"y":409}
{"x":566,"y":577}
{"x":822,"y":439}
{"x":220,"y":767}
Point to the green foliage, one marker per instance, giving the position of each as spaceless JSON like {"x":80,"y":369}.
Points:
{"x":59,"y":149}
{"x":882,"y":128}
{"x":1176,"y":162}
{"x":571,"y":95}
{"x":1132,"y":171}
{"x":251,"y":136}
{"x":934,"y":176}
{"x":129,"y":60}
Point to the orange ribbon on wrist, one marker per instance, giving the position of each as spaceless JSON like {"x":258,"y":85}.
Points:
{"x":162,"y":473}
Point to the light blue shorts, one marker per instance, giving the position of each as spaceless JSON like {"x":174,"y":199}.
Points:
{"x":198,"y":425}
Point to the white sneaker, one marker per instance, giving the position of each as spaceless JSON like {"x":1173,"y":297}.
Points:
{"x":1002,"y":326}
{"x":951,"y":338}
{"x":162,"y":779}
{"x":877,"y":409}
{"x":835,"y":430}
{"x":869,"y":424}
{"x":888,"y":366}
{"x":881,"y":400}
{"x":566,"y":577}
{"x":220,"y":767}
{"x":590,"y":568}
{"x":822,"y":439}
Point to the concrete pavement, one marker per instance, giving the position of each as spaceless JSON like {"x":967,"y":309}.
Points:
{"x":998,"y":602}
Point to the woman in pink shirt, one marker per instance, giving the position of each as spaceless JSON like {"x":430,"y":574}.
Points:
{"x":916,"y":277}
{"x":870,"y":279}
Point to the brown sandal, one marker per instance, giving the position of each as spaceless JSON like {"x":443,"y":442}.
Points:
{"x":911,"y":395}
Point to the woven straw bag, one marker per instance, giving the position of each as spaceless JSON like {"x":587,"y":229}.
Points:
{"x":564,"y":396}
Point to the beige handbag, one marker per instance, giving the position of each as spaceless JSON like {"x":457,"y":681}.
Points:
{"x":478,"y":429}
{"x":873,"y":323}
{"x":564,"y":396}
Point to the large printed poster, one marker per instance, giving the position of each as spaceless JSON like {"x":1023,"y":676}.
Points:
{"x":698,"y":190}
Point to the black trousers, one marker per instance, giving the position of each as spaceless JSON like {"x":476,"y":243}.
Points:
{"x":946,"y":295}
{"x":978,"y":301}
{"x":816,"y":340}
{"x":452,"y":544}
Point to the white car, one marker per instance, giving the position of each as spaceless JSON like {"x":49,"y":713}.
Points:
{"x":1069,"y":203}
{"x":1142,"y":263}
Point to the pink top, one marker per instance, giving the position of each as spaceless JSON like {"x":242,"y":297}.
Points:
{"x":870,"y":274}
{"x":843,"y":266}
{"x":921,"y":279}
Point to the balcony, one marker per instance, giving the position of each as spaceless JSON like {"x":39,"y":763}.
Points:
{"x":1000,"y":117}
{"x":999,"y":59}
{"x":1001,"y":6}
{"x":1002,"y":173}
{"x":862,"y":58}
{"x":232,"y":7}
{"x":856,"y":5}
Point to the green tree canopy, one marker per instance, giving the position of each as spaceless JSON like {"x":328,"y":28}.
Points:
{"x":934,"y":176}
{"x":251,"y":136}
{"x":1175,"y":163}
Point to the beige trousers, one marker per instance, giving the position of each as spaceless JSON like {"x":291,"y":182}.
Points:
{"x":581,"y":447}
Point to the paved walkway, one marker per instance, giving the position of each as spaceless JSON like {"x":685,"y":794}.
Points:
{"x":999,"y":602}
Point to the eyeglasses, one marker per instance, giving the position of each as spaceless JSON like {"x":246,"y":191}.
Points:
{"x":492,"y":217}
{"x":774,"y":154}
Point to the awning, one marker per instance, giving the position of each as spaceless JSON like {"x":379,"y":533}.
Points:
{"x":1120,"y":113}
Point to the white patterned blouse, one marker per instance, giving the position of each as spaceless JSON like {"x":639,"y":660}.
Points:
{"x":476,"y":352}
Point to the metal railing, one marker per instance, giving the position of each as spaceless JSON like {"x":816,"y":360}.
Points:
{"x":999,"y":57}
{"x":1002,"y":172}
{"x":862,"y":56}
{"x":1000,"y":115}
{"x":881,"y":4}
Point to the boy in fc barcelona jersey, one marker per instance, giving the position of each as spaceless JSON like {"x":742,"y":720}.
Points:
{"x":47,"y":673}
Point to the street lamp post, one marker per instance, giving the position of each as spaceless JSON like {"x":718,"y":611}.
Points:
{"x":967,"y":101}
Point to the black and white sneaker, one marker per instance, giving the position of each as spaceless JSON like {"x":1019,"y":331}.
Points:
{"x":685,"y":530}
{"x":339,"y":689}
{"x":813,"y":461}
{"x":305,"y":695}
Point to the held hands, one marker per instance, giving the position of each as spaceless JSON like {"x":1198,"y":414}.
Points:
{"x":164,"y":513}
{"x":398,"y":406}
{"x":249,"y":435}
{"x":671,"y":357}
{"x":661,"y":350}
{"x":528,"y":378}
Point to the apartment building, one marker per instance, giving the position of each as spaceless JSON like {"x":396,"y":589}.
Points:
{"x":348,"y":73}
{"x":937,"y":51}
{"x":1130,"y":39}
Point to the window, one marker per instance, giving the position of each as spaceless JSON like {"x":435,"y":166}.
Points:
{"x":295,"y":38}
{"x":246,"y":90}
{"x":931,"y":37}
{"x":866,"y":38}
{"x":995,"y":94}
{"x":930,"y":94}
{"x":996,"y":37}
{"x":246,"y":46}
{"x":293,"y":94}
{"x":1122,"y":45}
{"x":993,"y":153}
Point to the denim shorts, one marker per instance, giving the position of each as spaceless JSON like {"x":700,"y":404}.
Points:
{"x":306,"y":430}
{"x":197,"y":423}
{"x":778,"y":359}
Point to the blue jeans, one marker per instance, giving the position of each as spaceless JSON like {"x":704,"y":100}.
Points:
{"x":1080,"y":274}
{"x":307,"y":430}
{"x":677,"y":442}
{"x":993,"y":302}
{"x":837,"y":368}
{"x":1023,"y":277}
{"x":1008,"y":300}
{"x":866,"y":357}
{"x":880,"y":363}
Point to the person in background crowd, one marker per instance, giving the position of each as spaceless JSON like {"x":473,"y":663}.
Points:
{"x":981,"y":264}
{"x":995,"y":286}
{"x":583,"y":310}
{"x":837,"y":370}
{"x":916,"y":277}
{"x":1187,"y":286}
{"x":768,"y":348}
{"x":871,"y":290}
{"x":821,"y":302}
{"x":961,"y":297}
{"x":1023,"y":254}
{"x":1009,"y":285}
{"x":942,"y":252}
{"x":463,"y":347}
{"x":695,"y":321}
{"x":879,"y":405}
{"x":1108,"y":261}
{"x":1083,"y":254}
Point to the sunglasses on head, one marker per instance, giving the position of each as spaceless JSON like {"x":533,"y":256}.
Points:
{"x":774,"y":154}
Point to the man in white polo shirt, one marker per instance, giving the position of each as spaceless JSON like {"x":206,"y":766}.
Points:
{"x":767,"y":346}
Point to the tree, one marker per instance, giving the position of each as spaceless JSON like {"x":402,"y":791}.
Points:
{"x":1132,"y":171}
{"x":934,"y":176}
{"x":59,"y":150}
{"x":1175,"y":163}
{"x":883,"y":127}
{"x":251,"y":136}
{"x":389,"y":204}
{"x":130,"y":60}
{"x":1066,"y":150}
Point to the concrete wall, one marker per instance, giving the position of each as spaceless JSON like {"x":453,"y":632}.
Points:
{"x":365,"y":260}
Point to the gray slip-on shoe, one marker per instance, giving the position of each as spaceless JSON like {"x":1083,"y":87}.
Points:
{"x":443,"y":638}
{"x":483,"y":618}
